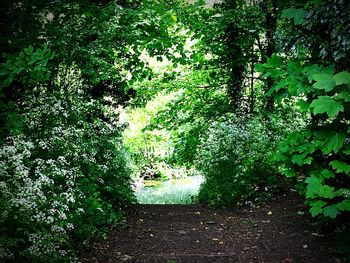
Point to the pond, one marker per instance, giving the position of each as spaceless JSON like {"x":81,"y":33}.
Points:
{"x":175,"y":191}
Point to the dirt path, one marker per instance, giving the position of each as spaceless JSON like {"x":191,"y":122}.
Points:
{"x":274,"y":232}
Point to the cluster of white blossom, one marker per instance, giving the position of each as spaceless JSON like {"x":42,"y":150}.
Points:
{"x":50,"y":173}
{"x":236,"y":140}
{"x":27,"y":184}
{"x":224,"y":141}
{"x":40,"y":244}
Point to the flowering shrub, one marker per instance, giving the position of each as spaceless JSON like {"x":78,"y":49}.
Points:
{"x":63,"y":177}
{"x":234,"y":157}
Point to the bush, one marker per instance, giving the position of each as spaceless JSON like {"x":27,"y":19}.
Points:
{"x":234,"y":157}
{"x":317,"y":156}
{"x":62,"y":178}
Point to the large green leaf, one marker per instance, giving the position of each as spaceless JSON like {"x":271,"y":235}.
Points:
{"x":342,"y":78}
{"x":326,"y":104}
{"x":301,"y":159}
{"x":334,"y":141}
{"x":324,"y":81}
{"x":340,"y":167}
{"x":313,"y":186}
{"x":317,"y":207}
{"x":344,"y":205}
{"x":311,"y":70}
{"x":331,"y":211}
{"x":289,"y":173}
{"x":273,"y":62}
{"x":326,"y":191}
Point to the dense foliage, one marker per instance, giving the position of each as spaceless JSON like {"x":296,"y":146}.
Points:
{"x":96,"y":93}
{"x":317,"y":79}
{"x":234,"y":156}
{"x":65,"y":174}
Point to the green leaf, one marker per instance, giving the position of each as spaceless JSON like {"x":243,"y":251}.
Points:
{"x":294,"y":68}
{"x":327,"y":174}
{"x":342,"y":78}
{"x":296,"y":14}
{"x":313,"y":186}
{"x":344,"y":95}
{"x":295,"y":87}
{"x":331,"y":211}
{"x":324,"y":81}
{"x":346,"y":150}
{"x":280,"y":95}
{"x":326,"y":191}
{"x":316,"y":210}
{"x":29,"y":50}
{"x":340,"y":167}
{"x":276,"y":87}
{"x":300,"y":159}
{"x":344,"y":205}
{"x":334,"y":141}
{"x":289,"y":173}
{"x":276,"y":73}
{"x":260,"y":68}
{"x":311,"y":70}
{"x":316,"y":207}
{"x":273,"y":62}
{"x":326,"y":104}
{"x":303,"y":105}
{"x":174,"y":18}
{"x":308,"y":160}
{"x":341,"y":192}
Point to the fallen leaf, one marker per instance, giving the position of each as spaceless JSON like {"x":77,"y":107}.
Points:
{"x":126,"y":257}
{"x":318,"y":235}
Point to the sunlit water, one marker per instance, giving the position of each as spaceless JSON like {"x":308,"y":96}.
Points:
{"x":177,"y":191}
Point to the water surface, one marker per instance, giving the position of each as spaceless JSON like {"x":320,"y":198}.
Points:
{"x":175,"y":191}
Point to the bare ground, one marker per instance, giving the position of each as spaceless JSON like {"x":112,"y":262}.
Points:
{"x":277,"y":231}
